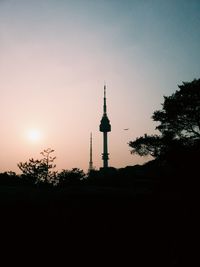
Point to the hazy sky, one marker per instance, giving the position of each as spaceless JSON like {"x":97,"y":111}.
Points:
{"x":55,"y":56}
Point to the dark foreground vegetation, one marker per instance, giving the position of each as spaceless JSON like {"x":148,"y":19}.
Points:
{"x":134,"y":216}
{"x":130,"y":216}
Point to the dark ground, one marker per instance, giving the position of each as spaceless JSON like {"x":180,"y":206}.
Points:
{"x":95,"y":226}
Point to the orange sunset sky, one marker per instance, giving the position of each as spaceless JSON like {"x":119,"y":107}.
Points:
{"x":55,"y":57}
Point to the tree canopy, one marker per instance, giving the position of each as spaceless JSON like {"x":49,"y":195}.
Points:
{"x":179,"y":123}
{"x":180,"y":114}
{"x":40,"y":171}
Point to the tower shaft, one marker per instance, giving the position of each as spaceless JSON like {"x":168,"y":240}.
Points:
{"x":105,"y":150}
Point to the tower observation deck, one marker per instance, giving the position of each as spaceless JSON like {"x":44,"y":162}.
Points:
{"x":105,"y":127}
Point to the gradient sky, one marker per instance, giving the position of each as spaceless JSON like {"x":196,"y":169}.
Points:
{"x":55,"y":56}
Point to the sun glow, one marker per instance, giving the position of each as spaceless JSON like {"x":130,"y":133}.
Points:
{"x":34,"y":135}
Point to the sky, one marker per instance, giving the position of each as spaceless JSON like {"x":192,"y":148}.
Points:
{"x":56,"y":55}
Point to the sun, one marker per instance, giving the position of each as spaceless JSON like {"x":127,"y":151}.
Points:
{"x":34,"y":135}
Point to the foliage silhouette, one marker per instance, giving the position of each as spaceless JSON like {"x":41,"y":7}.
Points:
{"x":40,"y":171}
{"x":177,"y":147}
{"x":70,"y":177}
{"x":179,"y":123}
{"x":9,"y":178}
{"x":180,"y":114}
{"x":48,"y":163}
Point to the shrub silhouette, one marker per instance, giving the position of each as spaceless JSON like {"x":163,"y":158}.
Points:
{"x":40,"y":171}
{"x":70,"y":177}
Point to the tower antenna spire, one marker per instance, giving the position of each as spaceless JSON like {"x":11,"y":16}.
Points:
{"x":90,"y":162}
{"x":104,"y":106}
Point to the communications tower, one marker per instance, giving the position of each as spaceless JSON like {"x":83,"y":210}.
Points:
{"x":90,"y":162}
{"x":105,"y":127}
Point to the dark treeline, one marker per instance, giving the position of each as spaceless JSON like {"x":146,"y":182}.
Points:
{"x":138,"y":215}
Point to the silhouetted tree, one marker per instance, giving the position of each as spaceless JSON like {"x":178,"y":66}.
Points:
{"x":70,"y":177}
{"x":40,"y":171}
{"x":32,"y":170}
{"x":146,"y":145}
{"x":179,"y":123}
{"x":48,"y":164}
{"x":177,"y":147}
{"x":9,"y":178}
{"x":180,"y":114}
